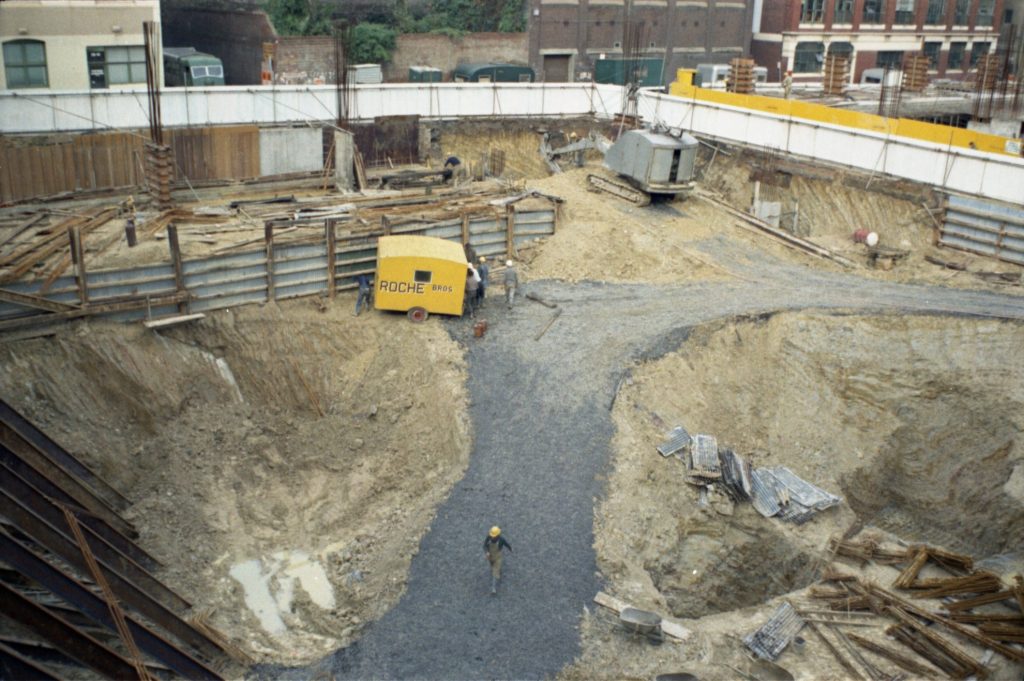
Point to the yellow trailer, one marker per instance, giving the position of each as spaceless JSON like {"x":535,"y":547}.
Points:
{"x":419,"y":275}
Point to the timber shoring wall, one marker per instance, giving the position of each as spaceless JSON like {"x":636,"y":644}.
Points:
{"x":277,"y":270}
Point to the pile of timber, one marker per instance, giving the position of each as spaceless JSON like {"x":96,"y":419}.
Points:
{"x":930,"y":638}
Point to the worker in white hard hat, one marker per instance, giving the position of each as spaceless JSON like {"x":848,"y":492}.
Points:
{"x":493,"y":544}
{"x":511,"y":281}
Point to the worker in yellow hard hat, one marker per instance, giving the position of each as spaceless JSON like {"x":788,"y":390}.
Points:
{"x":493,"y":545}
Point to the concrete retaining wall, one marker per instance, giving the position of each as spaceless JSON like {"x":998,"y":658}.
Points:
{"x":290,"y":150}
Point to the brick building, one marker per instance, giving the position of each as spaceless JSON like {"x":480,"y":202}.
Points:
{"x":797,"y":34}
{"x":569,"y":37}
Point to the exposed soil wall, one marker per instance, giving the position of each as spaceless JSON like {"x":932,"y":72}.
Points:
{"x":211,"y":430}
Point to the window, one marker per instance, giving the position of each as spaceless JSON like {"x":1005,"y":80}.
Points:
{"x":841,"y":49}
{"x":904,"y":12}
{"x":844,"y":12}
{"x":874,"y":11}
{"x":956,"y":55}
{"x":931,"y":50}
{"x":808,"y":57}
{"x":116,"y":65}
{"x":812,"y":11}
{"x":978,"y":51}
{"x":986,"y":13}
{"x":422,"y":276}
{"x":892,"y":59}
{"x":960,"y":13}
{"x":936,"y":15}
{"x":25,"y":63}
{"x":212,"y":71}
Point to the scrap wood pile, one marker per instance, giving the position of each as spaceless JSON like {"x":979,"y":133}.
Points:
{"x":976,"y":606}
{"x":774,"y":492}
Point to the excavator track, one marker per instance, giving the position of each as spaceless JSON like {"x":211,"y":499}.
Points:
{"x":619,"y":189}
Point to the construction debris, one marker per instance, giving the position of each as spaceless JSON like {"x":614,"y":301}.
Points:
{"x":771,"y":639}
{"x":677,"y":440}
{"x":669,"y":627}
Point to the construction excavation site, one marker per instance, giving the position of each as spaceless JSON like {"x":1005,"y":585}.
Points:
{"x":759,"y":420}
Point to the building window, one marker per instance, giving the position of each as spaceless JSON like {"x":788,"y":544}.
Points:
{"x":904,"y":12}
{"x":978,"y":51}
{"x":116,"y":65}
{"x":931,"y":50}
{"x":812,"y":11}
{"x":956,"y":55}
{"x":960,"y":13}
{"x":844,"y":12}
{"x":874,"y":11}
{"x":807,"y":57}
{"x":892,"y":59}
{"x":25,"y":63}
{"x":841,"y":49}
{"x":936,"y":15}
{"x":986,"y":13}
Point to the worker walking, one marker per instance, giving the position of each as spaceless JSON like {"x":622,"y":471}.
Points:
{"x":493,"y":544}
{"x":787,"y":83}
{"x":472,"y":286}
{"x":483,"y":270}
{"x":364,"y":293}
{"x":511,"y":281}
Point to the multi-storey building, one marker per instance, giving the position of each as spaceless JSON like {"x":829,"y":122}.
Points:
{"x":569,"y":37}
{"x":797,"y":34}
{"x":74,"y":44}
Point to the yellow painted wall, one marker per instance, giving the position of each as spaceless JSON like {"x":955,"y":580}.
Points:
{"x":398,"y":260}
{"x":928,"y":132}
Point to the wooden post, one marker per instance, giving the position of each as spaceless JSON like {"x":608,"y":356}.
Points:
{"x":78,"y":258}
{"x":510,"y":229}
{"x":465,"y":228}
{"x":385,"y":224}
{"x":268,"y":236}
{"x":179,"y":272}
{"x":331,"y":255}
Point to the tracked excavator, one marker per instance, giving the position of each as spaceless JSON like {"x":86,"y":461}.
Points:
{"x":648,"y":163}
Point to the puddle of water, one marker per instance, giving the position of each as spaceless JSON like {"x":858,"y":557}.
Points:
{"x":270,"y":590}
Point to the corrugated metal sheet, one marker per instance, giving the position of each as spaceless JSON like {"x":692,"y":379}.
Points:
{"x":984,"y":227}
{"x":677,"y":440}
{"x":770,"y":640}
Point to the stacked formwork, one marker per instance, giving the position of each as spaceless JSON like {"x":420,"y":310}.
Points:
{"x":837,"y":74}
{"x":741,"y":76}
{"x":915,"y":73}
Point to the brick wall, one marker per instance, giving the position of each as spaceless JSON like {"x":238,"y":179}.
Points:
{"x":427,"y":49}
{"x":304,"y":60}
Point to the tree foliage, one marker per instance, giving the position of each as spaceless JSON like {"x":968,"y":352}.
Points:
{"x":371,"y":43}
{"x":299,"y":17}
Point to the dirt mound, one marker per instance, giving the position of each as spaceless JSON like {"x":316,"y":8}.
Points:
{"x":914,"y":421}
{"x":603,"y":238}
{"x":214,"y":431}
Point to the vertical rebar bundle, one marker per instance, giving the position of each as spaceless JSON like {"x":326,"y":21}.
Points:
{"x":890,"y":95}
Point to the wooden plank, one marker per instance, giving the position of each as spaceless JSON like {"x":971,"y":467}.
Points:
{"x":105,"y":308}
{"x":329,"y":228}
{"x":75,"y":241}
{"x":670,"y":627}
{"x":179,"y":271}
{"x":37,"y":302}
{"x":35,"y":219}
{"x":268,"y":237}
{"x":171,"y":321}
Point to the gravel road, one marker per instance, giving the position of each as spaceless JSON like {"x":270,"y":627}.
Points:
{"x":542,"y":426}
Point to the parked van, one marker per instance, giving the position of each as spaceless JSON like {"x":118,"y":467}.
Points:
{"x":874,"y":76}
{"x":492,"y":73}
{"x":185,"y":66}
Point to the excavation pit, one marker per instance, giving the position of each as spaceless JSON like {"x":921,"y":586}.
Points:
{"x":914,"y":420}
{"x":269,"y":452}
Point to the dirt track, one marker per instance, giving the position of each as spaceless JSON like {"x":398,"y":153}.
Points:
{"x":543,"y":429}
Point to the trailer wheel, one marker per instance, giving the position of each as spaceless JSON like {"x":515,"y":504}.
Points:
{"x":418,"y":314}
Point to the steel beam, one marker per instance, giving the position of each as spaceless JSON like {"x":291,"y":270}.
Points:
{"x":28,"y":562}
{"x":45,"y":510}
{"x":65,"y":637}
{"x":17,"y":667}
{"x":96,"y":515}
{"x":37,"y":302}
{"x":128,"y":592}
{"x":97,"y":308}
{"x":60,"y":457}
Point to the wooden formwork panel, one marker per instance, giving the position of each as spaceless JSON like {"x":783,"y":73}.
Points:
{"x":82,"y":163}
{"x":227,"y":152}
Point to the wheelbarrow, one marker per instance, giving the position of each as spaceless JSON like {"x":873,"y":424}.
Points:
{"x":642,"y":623}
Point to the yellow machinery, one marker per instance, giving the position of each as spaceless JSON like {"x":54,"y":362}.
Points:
{"x":419,"y":275}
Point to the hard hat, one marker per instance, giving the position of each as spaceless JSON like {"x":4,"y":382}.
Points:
{"x":495,"y":531}
{"x":483,"y":259}
{"x":508,"y":263}
{"x":789,"y":73}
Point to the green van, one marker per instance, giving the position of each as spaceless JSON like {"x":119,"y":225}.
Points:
{"x":492,"y":73}
{"x":184,"y":66}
